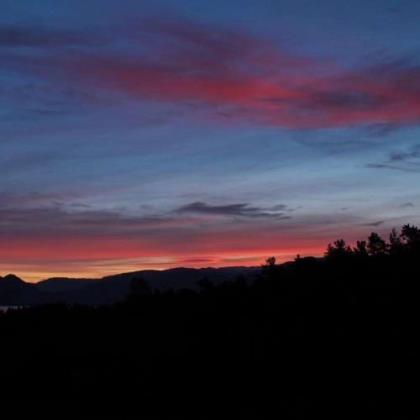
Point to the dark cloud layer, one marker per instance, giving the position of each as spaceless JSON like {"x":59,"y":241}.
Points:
{"x":237,"y":209}
{"x":55,"y":220}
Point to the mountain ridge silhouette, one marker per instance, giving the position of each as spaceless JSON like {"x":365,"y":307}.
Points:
{"x":112,"y":288}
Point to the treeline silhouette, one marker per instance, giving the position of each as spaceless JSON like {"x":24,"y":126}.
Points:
{"x":335,"y":336}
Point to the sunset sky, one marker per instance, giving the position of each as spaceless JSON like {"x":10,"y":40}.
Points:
{"x":155,"y":134}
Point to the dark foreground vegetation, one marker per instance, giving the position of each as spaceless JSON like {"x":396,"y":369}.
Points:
{"x":334,"y":336}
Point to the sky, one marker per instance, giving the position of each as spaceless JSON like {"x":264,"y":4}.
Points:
{"x":156,"y":134}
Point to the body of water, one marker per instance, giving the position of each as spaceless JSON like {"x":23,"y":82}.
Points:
{"x":5,"y":308}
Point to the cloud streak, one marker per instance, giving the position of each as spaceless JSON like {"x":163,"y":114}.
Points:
{"x":53,"y":239}
{"x":235,"y":75}
{"x":238,"y":209}
{"x":405,"y":161}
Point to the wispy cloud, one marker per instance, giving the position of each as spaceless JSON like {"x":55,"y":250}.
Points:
{"x":236,"y":209}
{"x":405,"y":161}
{"x":234,"y":75}
{"x":55,"y":220}
{"x":407,"y":205}
{"x":375,"y":224}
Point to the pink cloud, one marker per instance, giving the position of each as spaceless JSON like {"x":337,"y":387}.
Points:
{"x":246,"y":78}
{"x":236,"y":75}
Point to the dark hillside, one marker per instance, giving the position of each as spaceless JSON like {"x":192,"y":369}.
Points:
{"x":333,"y":336}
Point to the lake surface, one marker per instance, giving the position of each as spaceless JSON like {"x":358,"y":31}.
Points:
{"x":6,"y":308}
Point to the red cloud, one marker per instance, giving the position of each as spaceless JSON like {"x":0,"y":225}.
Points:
{"x":237,"y":76}
{"x":246,"y":78}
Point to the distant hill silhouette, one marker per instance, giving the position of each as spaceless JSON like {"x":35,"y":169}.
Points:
{"x":111,"y":289}
{"x":14,"y":291}
{"x":332,"y":337}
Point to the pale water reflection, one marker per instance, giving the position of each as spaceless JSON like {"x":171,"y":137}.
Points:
{"x":5,"y":308}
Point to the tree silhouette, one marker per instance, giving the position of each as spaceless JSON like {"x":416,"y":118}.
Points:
{"x":269,"y":268}
{"x":411,"y":237}
{"x":270,"y":262}
{"x":376,"y":245}
{"x":338,"y":249}
{"x":395,"y":243}
{"x":361,"y":249}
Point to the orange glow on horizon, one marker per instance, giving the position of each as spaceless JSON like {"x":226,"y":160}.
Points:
{"x":36,"y":268}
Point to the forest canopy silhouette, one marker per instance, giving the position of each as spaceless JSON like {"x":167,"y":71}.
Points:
{"x":335,"y":335}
